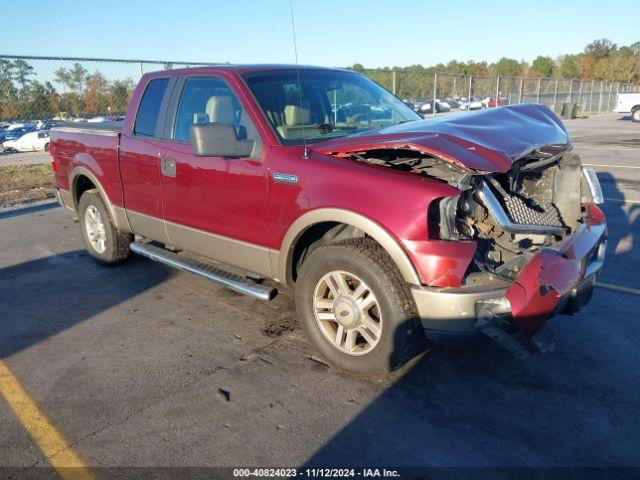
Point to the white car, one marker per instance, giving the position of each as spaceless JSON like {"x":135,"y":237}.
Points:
{"x":29,"y":142}
{"x":473,"y":104}
{"x":629,"y":103}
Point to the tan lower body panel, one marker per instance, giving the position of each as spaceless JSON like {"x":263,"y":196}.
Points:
{"x":443,"y":310}
{"x":148,"y":226}
{"x":246,"y":256}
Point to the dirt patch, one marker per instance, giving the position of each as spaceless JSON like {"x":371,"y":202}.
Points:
{"x":282,"y":321}
{"x":25,"y":183}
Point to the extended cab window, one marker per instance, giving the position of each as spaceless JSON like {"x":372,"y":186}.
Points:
{"x":209,"y":100}
{"x":149,"y":109}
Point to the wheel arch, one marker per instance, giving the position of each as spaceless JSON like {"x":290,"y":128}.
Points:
{"x":82,"y":179}
{"x":284,"y":262}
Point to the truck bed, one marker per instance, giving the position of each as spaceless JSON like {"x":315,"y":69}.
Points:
{"x":88,"y":146}
{"x":98,"y":128}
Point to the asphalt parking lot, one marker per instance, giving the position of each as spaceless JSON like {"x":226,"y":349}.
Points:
{"x":141,"y":365}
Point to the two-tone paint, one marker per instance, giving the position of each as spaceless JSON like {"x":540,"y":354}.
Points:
{"x":241,"y":212}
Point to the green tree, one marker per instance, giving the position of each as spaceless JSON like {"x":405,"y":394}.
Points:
{"x":506,"y":67}
{"x":73,"y":78}
{"x":542,"y":66}
{"x":21,"y":72}
{"x":119,"y":94}
{"x":568,"y":67}
{"x":600,"y":48}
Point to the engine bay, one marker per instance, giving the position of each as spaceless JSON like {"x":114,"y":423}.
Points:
{"x":537,"y":203}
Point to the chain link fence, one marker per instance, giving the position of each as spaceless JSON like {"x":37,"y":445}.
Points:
{"x":593,"y":96}
{"x":40,"y":88}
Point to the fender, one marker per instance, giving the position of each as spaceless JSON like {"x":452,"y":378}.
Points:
{"x":281,"y":261}
{"x":118,"y":214}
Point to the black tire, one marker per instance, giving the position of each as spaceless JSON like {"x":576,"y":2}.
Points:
{"x":635,"y":114}
{"x":46,"y":147}
{"x":117,"y":243}
{"x":401,"y":332}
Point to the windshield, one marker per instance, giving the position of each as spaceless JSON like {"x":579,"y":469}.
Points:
{"x":329,"y":104}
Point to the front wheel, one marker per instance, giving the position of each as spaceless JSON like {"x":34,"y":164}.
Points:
{"x":101,"y":238}
{"x":355,"y":307}
{"x":635,"y":114}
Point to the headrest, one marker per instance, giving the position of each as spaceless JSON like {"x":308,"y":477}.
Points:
{"x":294,"y":115}
{"x":220,"y":109}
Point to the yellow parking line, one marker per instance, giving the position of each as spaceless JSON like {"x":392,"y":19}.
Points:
{"x":50,"y":442}
{"x":618,"y":288}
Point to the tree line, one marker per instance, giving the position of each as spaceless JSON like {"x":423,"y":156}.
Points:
{"x":600,"y":60}
{"x":22,"y":96}
{"x":74,"y":91}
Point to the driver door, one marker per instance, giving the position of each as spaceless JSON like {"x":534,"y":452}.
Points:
{"x":214,"y":206}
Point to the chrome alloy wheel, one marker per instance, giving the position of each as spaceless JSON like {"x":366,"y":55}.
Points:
{"x":95,"y":229}
{"x":347,"y":313}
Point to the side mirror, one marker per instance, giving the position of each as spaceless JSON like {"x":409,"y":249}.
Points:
{"x":218,"y":140}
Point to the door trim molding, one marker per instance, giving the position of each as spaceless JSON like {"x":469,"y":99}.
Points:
{"x":236,"y":253}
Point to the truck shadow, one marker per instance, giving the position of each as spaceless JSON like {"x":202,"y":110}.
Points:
{"x":480,"y":407}
{"x":43,"y":297}
{"x":477,"y":406}
{"x":623,"y":222}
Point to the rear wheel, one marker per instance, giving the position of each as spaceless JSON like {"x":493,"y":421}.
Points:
{"x":635,"y":114}
{"x":355,"y":307}
{"x":101,"y":238}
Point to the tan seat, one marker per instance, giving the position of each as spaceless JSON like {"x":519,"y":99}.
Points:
{"x":221,"y":109}
{"x":297,"y":123}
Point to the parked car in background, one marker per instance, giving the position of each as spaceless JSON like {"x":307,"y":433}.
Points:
{"x":490,"y":102}
{"x":453,"y":102}
{"x":29,"y":142}
{"x":49,"y":124}
{"x":387,"y":229}
{"x":428,"y":106}
{"x":14,"y":134}
{"x":98,"y":120}
{"x":629,"y":103}
{"x":472,"y":104}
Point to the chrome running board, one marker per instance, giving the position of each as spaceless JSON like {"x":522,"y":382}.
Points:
{"x":234,"y":282}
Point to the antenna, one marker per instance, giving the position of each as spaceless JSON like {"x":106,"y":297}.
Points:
{"x":295,"y":51}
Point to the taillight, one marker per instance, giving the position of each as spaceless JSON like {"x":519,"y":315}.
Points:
{"x":54,"y":163}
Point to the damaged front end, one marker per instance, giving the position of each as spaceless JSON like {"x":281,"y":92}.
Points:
{"x":537,"y":237}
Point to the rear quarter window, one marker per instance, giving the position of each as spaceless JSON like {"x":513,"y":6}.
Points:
{"x":149,"y":108}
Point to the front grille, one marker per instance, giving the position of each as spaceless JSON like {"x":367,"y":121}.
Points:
{"x":519,"y":212}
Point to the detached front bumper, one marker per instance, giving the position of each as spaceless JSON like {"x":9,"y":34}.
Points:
{"x":558,"y":280}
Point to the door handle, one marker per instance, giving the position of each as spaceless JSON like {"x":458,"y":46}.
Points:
{"x":168,"y":167}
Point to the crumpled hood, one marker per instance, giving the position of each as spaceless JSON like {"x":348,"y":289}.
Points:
{"x":487,"y":140}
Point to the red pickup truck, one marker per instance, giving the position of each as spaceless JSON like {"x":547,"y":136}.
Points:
{"x":389,"y":228}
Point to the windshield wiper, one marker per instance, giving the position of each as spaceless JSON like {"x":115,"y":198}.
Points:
{"x":330,"y":127}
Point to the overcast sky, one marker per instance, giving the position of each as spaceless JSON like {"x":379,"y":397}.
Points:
{"x":329,"y":32}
